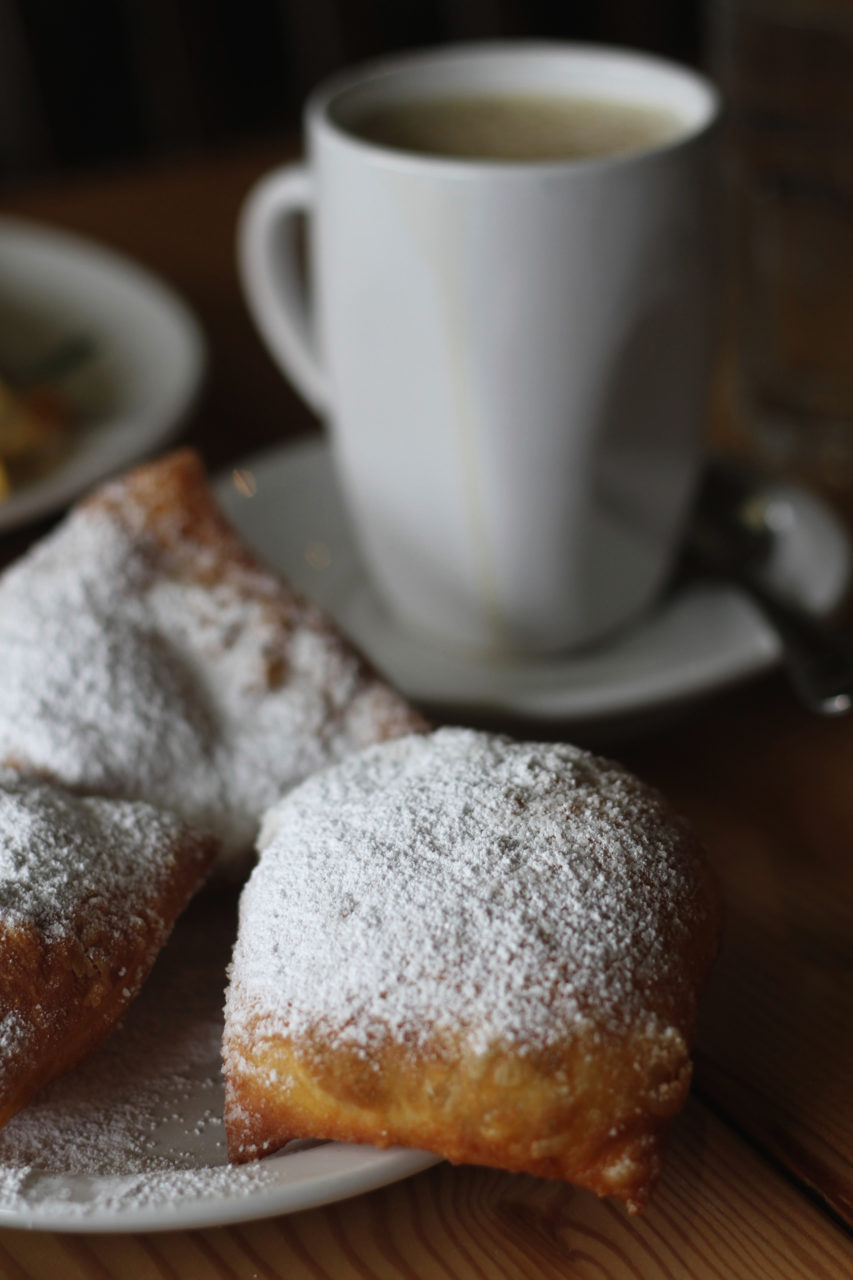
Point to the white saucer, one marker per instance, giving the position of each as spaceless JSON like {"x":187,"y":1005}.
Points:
{"x":700,"y":638}
{"x":147,"y":365}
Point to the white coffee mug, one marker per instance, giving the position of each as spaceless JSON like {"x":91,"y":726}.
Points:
{"x":512,"y":356}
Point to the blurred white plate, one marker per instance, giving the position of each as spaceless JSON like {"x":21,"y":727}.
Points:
{"x":700,"y":638}
{"x":147,"y":366}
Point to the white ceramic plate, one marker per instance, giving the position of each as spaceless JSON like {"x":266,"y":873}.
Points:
{"x":133,"y":1139}
{"x":700,"y":638}
{"x":147,"y":366}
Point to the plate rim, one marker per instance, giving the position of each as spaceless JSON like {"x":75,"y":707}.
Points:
{"x":385,"y":1167}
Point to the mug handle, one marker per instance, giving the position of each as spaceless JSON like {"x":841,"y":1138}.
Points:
{"x":266,"y":253}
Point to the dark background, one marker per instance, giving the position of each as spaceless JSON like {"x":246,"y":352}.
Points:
{"x":91,"y":83}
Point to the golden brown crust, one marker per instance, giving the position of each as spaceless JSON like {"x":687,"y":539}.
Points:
{"x":594,"y":1111}
{"x":63,"y":989}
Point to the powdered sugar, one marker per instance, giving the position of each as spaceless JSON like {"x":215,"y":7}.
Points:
{"x":59,"y":851}
{"x":500,"y":892}
{"x":127,"y":670}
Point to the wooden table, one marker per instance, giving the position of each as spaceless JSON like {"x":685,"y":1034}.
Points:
{"x":759,"y":1181}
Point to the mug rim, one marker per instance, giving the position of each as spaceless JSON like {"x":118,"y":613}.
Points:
{"x":320,"y":121}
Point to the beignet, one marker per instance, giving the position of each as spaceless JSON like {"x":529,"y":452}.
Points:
{"x":89,"y":891}
{"x":146,"y":654}
{"x":486,"y":949}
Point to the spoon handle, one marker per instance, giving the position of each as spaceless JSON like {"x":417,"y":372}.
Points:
{"x":818,"y":658}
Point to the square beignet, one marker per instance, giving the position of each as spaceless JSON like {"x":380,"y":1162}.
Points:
{"x":89,"y":892}
{"x":146,"y":654}
{"x":486,"y":949}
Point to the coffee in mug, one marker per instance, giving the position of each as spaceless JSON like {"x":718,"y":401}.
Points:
{"x":518,"y":127}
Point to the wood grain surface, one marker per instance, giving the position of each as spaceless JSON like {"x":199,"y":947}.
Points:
{"x":769,"y":788}
{"x":760,"y":1177}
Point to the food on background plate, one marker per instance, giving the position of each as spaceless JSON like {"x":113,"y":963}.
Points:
{"x":488,"y":949}
{"x":89,"y":891}
{"x":32,"y":424}
{"x":145,"y":654}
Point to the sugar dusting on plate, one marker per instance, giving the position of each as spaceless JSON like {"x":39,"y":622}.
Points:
{"x":139,"y":1125}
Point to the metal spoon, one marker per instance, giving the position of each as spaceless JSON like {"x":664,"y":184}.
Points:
{"x":731,"y":536}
